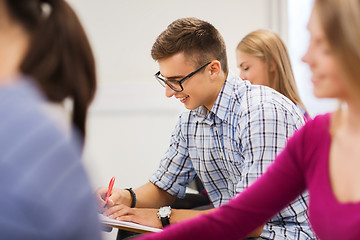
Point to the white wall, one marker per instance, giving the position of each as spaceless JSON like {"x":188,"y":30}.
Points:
{"x":131,"y":120}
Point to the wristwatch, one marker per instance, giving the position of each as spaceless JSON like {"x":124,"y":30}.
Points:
{"x":164,"y":215}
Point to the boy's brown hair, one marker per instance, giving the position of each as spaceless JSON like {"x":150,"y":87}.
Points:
{"x":200,"y":41}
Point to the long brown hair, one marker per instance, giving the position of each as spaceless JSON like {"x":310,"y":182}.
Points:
{"x":59,"y":58}
{"x":269,"y":47}
{"x":340,"y":20}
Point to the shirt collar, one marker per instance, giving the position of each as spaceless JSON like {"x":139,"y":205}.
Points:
{"x":221,"y":105}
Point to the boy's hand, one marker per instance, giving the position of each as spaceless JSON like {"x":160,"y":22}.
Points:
{"x":143,"y":216}
{"x":118,"y":196}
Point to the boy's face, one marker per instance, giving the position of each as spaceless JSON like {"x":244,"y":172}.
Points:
{"x":197,"y":89}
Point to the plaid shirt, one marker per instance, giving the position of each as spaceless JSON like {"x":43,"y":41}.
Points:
{"x":231,"y":146}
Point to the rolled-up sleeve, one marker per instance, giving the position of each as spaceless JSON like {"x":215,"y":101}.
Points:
{"x":175,"y":171}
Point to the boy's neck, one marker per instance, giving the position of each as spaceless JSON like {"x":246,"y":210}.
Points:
{"x":220,"y":81}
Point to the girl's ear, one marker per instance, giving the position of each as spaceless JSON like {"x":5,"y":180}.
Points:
{"x":272,"y":66}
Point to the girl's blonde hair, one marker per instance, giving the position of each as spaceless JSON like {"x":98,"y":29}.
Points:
{"x":268,"y":46}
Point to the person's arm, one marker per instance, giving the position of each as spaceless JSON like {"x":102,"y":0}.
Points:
{"x":169,"y":181}
{"x":147,"y":196}
{"x":257,"y":232}
{"x":151,"y":196}
{"x":148,"y":216}
{"x":251,"y":208}
{"x":179,"y":215}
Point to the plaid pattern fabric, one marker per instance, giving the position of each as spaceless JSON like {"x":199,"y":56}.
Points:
{"x":231,"y":146}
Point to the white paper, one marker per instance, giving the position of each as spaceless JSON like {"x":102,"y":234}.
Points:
{"x":112,"y":222}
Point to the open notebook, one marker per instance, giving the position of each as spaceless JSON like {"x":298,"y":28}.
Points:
{"x":130,"y":226}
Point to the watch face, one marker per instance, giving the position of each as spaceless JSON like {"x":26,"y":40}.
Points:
{"x":164,"y":212}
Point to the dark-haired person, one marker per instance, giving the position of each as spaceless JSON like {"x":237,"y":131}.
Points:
{"x":59,"y":58}
{"x":229,"y":136}
{"x":44,"y":58}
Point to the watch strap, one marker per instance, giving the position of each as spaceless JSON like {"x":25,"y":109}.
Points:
{"x":165,"y":221}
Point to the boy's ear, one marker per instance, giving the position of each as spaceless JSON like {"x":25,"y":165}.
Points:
{"x":215,"y":68}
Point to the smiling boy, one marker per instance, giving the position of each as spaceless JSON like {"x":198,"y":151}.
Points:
{"x":231,"y":133}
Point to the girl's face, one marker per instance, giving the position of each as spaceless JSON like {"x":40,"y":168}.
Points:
{"x":252,"y":69}
{"x":326,"y":76}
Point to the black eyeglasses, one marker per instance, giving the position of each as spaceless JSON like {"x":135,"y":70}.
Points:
{"x":176,"y":85}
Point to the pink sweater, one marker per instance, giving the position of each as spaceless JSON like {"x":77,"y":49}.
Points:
{"x":303,"y":164}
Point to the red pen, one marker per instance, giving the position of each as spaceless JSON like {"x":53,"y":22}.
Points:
{"x":111,"y":185}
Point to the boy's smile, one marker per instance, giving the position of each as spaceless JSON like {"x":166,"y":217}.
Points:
{"x":200,"y":89}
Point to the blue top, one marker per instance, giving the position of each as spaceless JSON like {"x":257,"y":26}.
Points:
{"x":231,"y":146}
{"x":44,"y":190}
